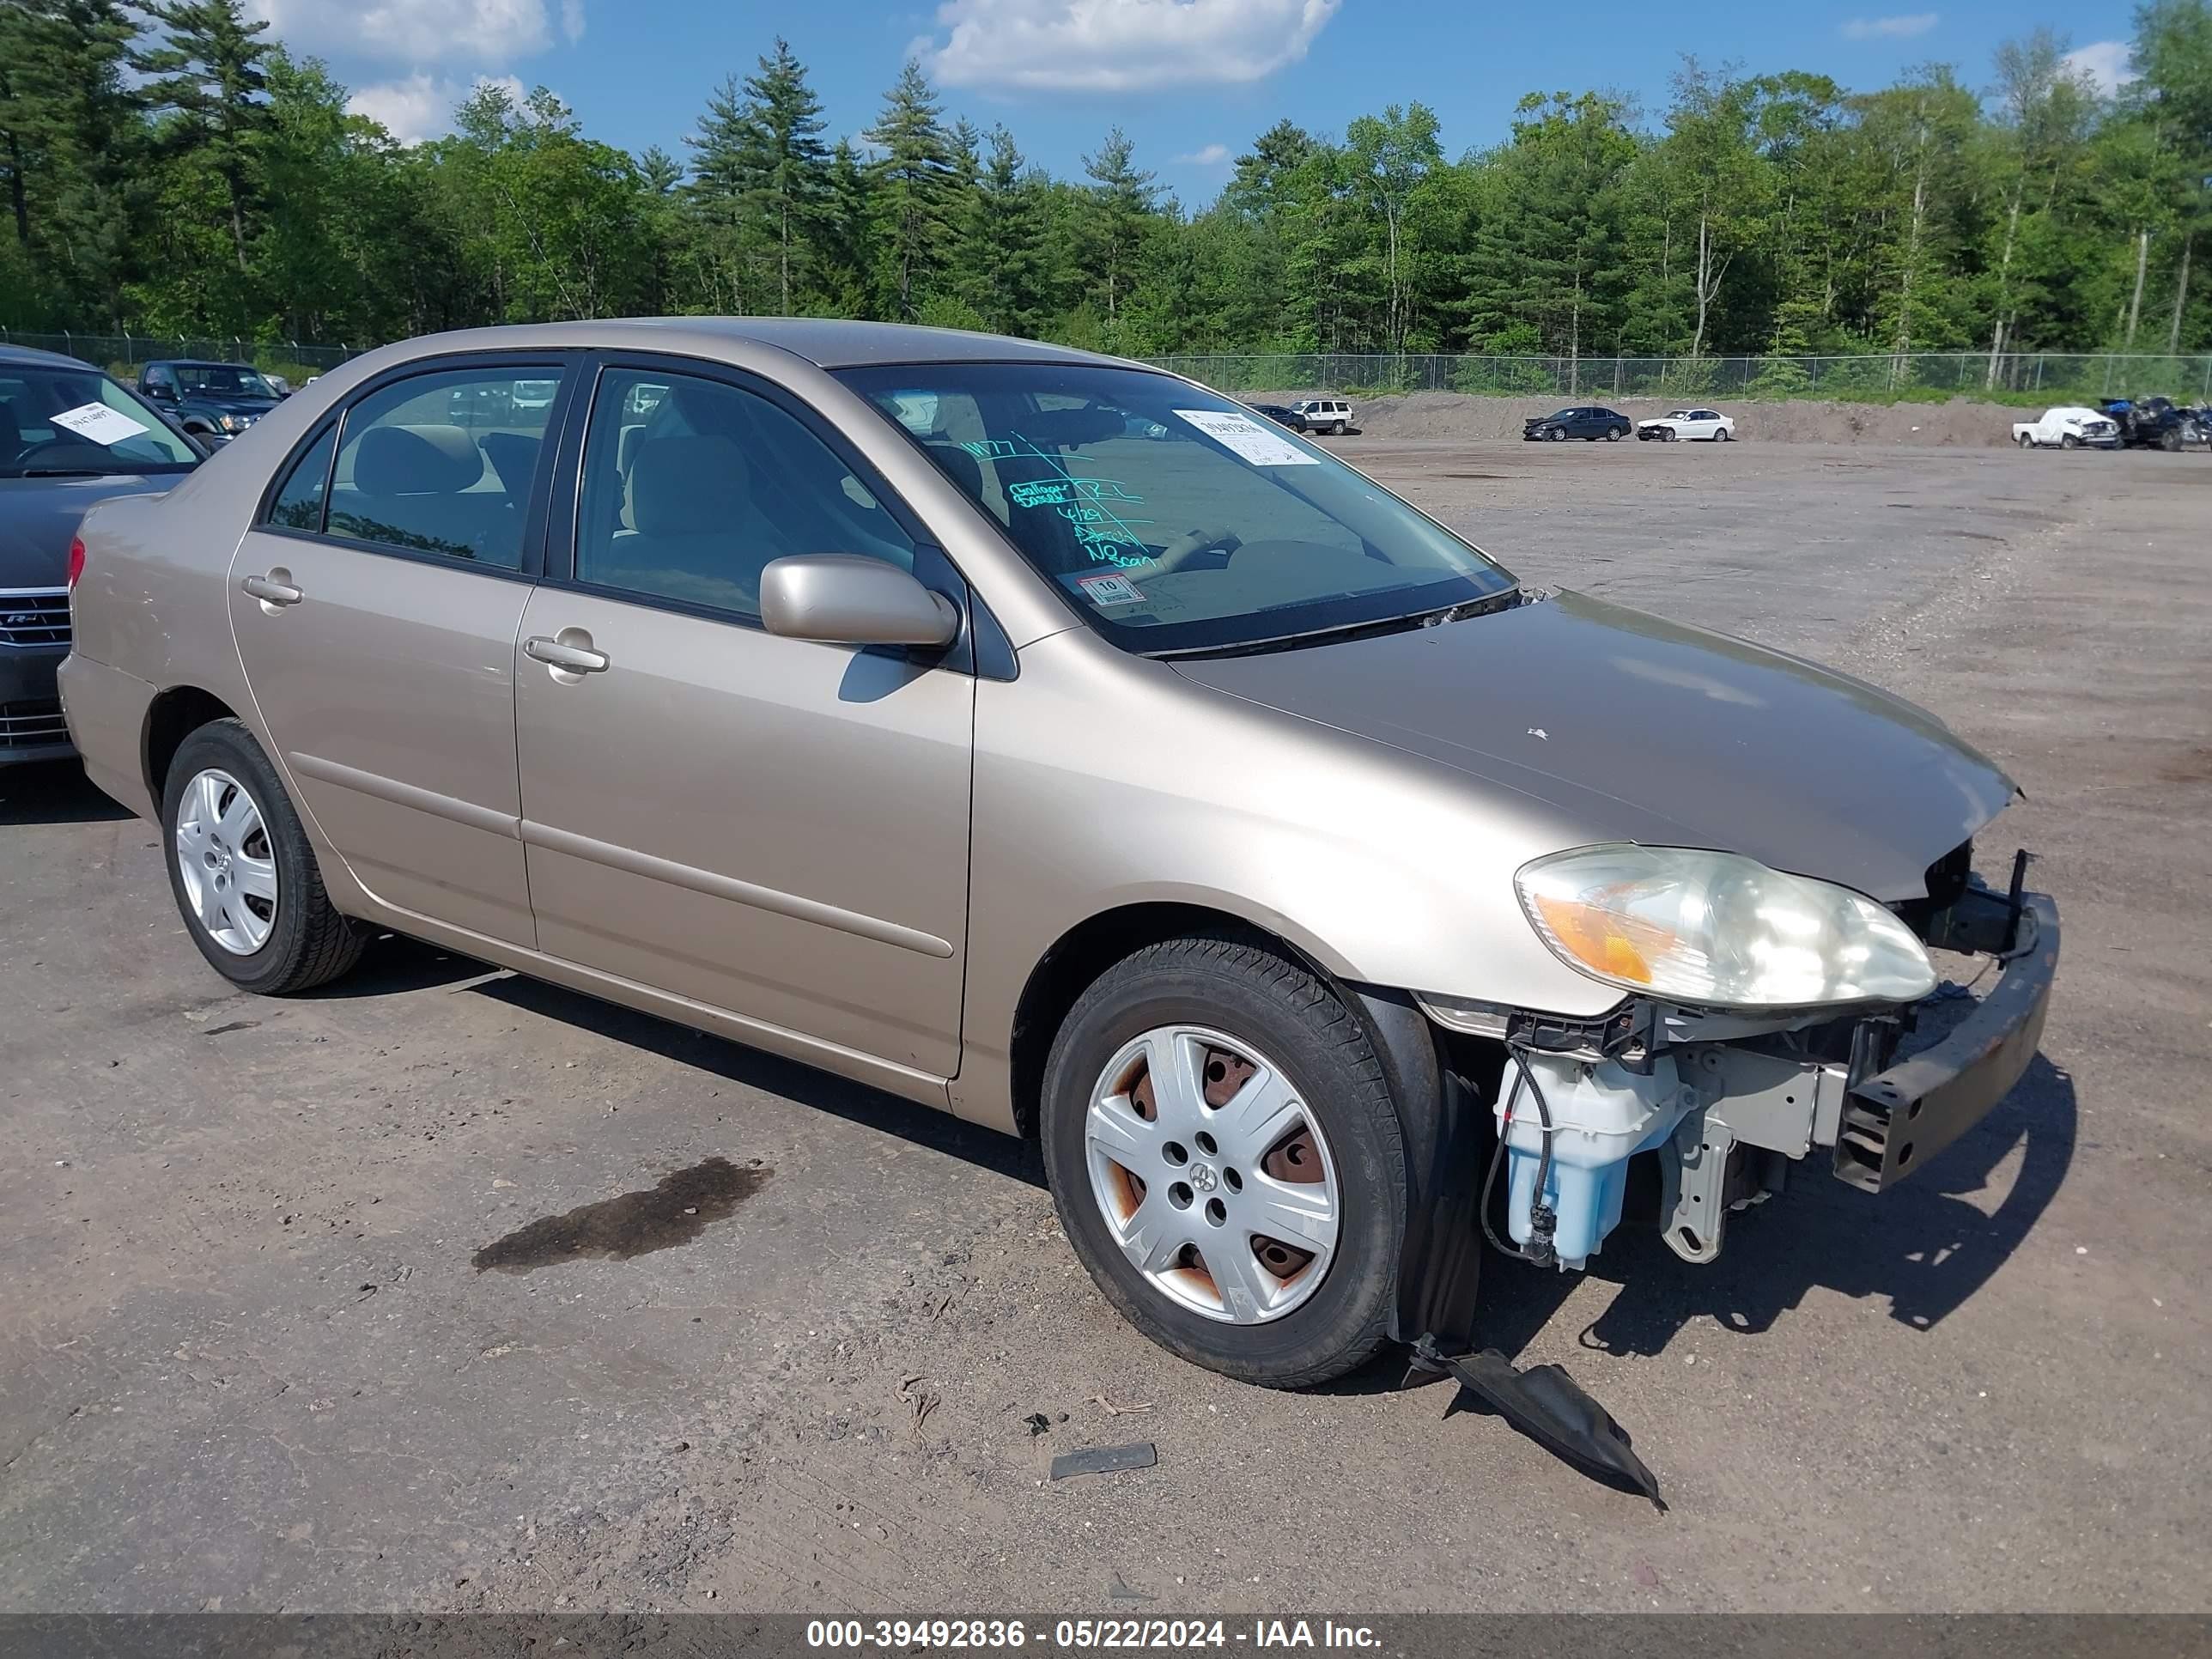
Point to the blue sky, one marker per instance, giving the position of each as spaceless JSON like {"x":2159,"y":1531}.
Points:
{"x":1191,"y":81}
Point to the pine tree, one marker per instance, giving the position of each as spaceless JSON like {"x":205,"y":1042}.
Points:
{"x":1121,"y":204}
{"x":784,"y":165}
{"x":913,"y":178}
{"x":999,"y":254}
{"x":720,"y":192}
{"x":209,"y":72}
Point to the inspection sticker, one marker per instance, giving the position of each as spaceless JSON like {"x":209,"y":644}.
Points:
{"x":1109,"y":590}
{"x":1248,"y":437}
{"x":99,"y":422}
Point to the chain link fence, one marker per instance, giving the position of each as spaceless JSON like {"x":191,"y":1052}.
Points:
{"x":121,"y":353}
{"x":2022,"y":376}
{"x":2051,"y":377}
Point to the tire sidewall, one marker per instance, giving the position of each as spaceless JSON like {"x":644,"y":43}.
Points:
{"x":228,"y":746}
{"x":1354,"y":1115}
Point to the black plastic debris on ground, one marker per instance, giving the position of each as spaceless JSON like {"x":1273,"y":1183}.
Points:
{"x":1038,"y":1423}
{"x":1550,"y":1407}
{"x":1104,"y":1460}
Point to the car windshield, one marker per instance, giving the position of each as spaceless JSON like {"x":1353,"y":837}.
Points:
{"x":224,"y":380}
{"x":77,"y":422}
{"x":1174,"y":518}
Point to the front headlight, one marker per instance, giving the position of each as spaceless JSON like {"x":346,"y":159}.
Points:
{"x":1716,"y":930}
{"x":231,"y":422}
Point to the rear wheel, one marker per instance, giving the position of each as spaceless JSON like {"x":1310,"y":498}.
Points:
{"x":1613,"y":435}
{"x":1722,"y":434}
{"x":2026,"y":441}
{"x":1337,"y":431}
{"x":1227,"y":1160}
{"x":242,"y":871}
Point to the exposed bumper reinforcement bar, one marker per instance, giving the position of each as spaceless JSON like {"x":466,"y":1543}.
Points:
{"x":1899,"y":1119}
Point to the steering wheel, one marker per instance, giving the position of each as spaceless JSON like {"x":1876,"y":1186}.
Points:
{"x":1188,"y":545}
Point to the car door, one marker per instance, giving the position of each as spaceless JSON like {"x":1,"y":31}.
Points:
{"x":375,"y":603}
{"x":774,"y":827}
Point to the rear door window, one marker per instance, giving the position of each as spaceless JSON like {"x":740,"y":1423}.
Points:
{"x":443,"y":464}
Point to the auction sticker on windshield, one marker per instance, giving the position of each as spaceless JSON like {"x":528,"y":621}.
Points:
{"x":1245,"y":435}
{"x":1109,"y":590}
{"x":99,"y":422}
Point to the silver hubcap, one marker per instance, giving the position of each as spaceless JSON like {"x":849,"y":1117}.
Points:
{"x":229,"y":869}
{"x":1211,"y":1175}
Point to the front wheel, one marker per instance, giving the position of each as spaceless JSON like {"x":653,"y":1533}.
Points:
{"x":1558,"y":435}
{"x":242,"y":871}
{"x":1227,"y":1160}
{"x":2069,"y":442}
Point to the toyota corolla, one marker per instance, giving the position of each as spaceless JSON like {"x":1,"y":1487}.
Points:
{"x":1054,"y":742}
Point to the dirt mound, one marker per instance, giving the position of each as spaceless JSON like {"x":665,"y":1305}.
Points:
{"x":1452,"y":415}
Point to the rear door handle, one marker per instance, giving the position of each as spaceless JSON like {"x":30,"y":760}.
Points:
{"x":271,"y":589}
{"x":554,"y":654}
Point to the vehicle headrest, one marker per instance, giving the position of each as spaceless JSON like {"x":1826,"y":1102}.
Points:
{"x":513,"y":456}
{"x":963,"y":468}
{"x":688,"y":486}
{"x":428,"y":459}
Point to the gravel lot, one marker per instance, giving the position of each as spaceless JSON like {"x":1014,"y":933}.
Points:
{"x":247,"y":1362}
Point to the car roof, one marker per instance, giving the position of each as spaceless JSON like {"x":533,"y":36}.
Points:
{"x":32,"y":357}
{"x":194,"y":362}
{"x":827,"y":342}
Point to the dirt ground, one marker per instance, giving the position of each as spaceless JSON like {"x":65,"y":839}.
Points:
{"x":1961,"y":423}
{"x":288,"y":1321}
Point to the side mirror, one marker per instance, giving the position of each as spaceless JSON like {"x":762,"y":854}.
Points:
{"x":841,"y":599}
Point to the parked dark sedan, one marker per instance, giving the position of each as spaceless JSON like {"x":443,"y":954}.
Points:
{"x":214,"y":401}
{"x":69,"y":436}
{"x":1281,"y":415}
{"x":1587,"y":421}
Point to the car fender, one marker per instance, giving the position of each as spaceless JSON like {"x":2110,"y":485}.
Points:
{"x":1380,"y":867}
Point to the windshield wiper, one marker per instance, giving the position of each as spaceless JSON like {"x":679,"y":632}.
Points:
{"x":67,"y":472}
{"x":1504,"y":600}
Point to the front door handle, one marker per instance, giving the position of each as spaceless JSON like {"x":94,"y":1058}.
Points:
{"x":564,"y":654}
{"x":274,"y":589}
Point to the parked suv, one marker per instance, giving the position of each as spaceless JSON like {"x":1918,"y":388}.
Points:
{"x":1330,"y":414}
{"x":214,"y":401}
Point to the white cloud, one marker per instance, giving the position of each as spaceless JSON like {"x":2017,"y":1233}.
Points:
{"x":2103,"y":64}
{"x":1209,"y":155}
{"x":422,"y":106}
{"x":1117,"y":46}
{"x":416,"y":31}
{"x":1890,"y":28}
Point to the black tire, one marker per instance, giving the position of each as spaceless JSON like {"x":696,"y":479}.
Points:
{"x":1242,"y":990}
{"x":309,"y":943}
{"x":1558,"y":435}
{"x":2069,"y":442}
{"x":2025,"y":441}
{"x":1613,"y":435}
{"x":1721,"y":435}
{"x":1337,"y":431}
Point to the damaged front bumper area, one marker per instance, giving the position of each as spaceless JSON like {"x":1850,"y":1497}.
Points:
{"x":1726,"y":1106}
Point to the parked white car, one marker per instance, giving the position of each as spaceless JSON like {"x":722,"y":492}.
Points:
{"x":1705,"y":425}
{"x":2068,"y":428}
{"x":1331,"y":414}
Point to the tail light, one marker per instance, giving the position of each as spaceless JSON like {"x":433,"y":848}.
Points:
{"x":76,"y":559}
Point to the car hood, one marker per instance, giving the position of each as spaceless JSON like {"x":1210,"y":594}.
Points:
{"x":39,"y":517}
{"x":1648,"y":731}
{"x":1542,"y":420}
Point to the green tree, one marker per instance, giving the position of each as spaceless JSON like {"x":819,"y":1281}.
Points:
{"x":1122,"y":201}
{"x":912,"y":180}
{"x":782,"y":165}
{"x":210,"y":73}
